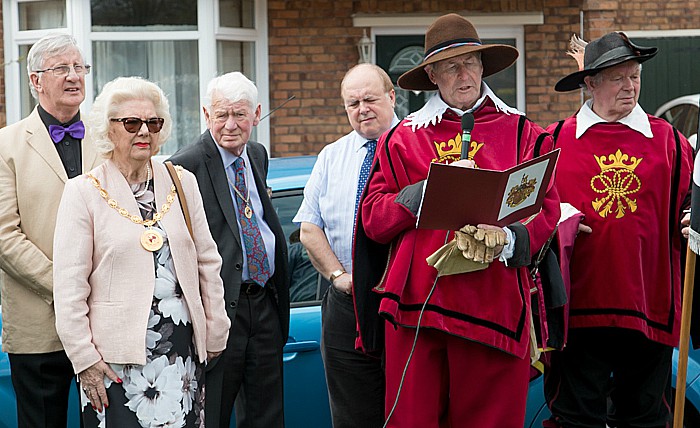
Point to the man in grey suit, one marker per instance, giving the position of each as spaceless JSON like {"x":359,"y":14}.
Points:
{"x":37,"y":156}
{"x":231,"y":172}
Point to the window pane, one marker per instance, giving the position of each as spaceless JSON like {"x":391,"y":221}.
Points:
{"x":504,"y":83}
{"x":140,"y":15}
{"x":305,"y":283}
{"x":27,"y":100}
{"x":173,"y":65}
{"x":40,"y":15}
{"x":236,"y":56}
{"x":237,"y":13}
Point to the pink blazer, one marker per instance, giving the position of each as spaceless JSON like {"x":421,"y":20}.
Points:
{"x":104,"y":279}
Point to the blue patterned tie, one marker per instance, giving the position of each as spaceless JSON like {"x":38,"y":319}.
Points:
{"x":364,"y":171}
{"x":258,"y":265}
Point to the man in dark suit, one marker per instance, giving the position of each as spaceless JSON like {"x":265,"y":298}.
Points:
{"x":231,"y":172}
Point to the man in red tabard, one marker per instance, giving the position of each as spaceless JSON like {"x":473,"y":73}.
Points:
{"x":629,"y":173}
{"x":470,"y":366}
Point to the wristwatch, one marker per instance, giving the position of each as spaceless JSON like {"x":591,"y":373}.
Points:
{"x":335,"y":275}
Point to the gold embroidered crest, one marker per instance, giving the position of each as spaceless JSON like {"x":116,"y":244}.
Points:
{"x":616,"y":182}
{"x":520,"y":192}
{"x":450,"y":151}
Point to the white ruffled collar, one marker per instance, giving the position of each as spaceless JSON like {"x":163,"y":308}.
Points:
{"x":431,"y":113}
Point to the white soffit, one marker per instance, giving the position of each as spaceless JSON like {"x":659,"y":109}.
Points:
{"x":478,"y":19}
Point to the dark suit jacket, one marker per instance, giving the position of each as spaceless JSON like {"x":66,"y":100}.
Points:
{"x":202,"y":158}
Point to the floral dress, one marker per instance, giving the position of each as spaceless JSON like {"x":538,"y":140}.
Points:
{"x":168,"y":391}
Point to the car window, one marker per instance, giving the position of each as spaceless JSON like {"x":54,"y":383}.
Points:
{"x":690,"y":126}
{"x":306,"y":285}
{"x":684,"y":117}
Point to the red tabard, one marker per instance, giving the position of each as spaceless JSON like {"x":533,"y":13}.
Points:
{"x":490,"y":306}
{"x":631,"y":188}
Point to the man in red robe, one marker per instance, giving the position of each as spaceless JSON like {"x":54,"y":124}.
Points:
{"x":629,"y":173}
{"x":470,"y":364}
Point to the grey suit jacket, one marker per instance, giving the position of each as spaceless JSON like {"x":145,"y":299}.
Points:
{"x":202,"y":158}
{"x":31,"y":183}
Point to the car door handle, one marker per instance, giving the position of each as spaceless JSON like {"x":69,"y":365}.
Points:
{"x":306,"y":346}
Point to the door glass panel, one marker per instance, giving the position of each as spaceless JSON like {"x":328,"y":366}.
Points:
{"x":141,"y":15}
{"x":40,"y":15}
{"x":398,"y":54}
{"x":170,"y":64}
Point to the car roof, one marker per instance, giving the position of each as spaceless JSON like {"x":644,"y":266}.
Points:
{"x":283,"y":173}
{"x":290,"y":172}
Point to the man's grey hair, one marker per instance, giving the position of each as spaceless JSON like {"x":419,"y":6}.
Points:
{"x":46,"y":47}
{"x":234,"y":87}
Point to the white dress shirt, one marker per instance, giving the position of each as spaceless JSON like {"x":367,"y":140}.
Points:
{"x":329,"y":195}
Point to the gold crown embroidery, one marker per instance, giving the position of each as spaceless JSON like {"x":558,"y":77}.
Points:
{"x":519,"y":193}
{"x":450,"y":151}
{"x":616,"y":182}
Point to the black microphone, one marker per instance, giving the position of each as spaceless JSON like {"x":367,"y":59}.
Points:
{"x":467,"y":126}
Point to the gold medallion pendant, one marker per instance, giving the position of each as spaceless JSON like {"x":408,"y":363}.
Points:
{"x":248,"y":212}
{"x":151,"y":240}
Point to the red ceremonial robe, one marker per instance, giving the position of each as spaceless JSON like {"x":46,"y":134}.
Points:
{"x":631,"y":189}
{"x":490,"y":306}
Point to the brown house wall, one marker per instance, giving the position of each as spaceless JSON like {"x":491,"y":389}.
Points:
{"x":312,"y":44}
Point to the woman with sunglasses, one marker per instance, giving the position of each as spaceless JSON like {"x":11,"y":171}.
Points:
{"x":138,"y":298}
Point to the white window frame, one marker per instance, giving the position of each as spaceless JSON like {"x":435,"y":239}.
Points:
{"x":489,"y":26}
{"x":78,"y":24}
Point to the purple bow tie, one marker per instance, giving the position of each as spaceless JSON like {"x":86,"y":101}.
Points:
{"x":76,"y":130}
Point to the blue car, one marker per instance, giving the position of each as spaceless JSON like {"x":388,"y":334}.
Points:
{"x":306,"y":397}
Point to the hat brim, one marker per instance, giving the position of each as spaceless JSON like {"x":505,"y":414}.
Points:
{"x":494,"y":58}
{"x":574,"y":80}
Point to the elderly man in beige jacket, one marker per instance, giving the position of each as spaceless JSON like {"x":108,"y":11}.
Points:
{"x":37,"y":156}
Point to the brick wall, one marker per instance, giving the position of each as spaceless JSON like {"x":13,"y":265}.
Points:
{"x":313,"y":43}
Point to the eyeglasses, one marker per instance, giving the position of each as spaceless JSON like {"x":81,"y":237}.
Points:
{"x":64,"y":70}
{"x":133,"y":124}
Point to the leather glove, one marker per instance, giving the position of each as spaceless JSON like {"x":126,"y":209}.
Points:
{"x":479,"y":244}
{"x":472,"y":248}
{"x":494,"y":237}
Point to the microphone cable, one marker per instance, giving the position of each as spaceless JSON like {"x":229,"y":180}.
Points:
{"x":413,"y":347}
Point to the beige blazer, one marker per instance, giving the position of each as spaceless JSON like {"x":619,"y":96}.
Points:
{"x":31,"y":182}
{"x":104,"y":278}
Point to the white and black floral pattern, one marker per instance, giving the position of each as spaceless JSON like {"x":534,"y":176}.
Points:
{"x":168,"y":391}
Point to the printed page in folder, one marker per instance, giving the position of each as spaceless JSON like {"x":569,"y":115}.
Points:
{"x":457,"y":196}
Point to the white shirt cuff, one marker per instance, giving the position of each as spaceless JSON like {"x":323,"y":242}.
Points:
{"x":509,"y":249}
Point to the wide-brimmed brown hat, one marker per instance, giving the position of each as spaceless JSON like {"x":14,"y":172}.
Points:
{"x":450,"y":36}
{"x":610,"y":50}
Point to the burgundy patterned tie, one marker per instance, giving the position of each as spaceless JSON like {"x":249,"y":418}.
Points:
{"x":258,"y":265}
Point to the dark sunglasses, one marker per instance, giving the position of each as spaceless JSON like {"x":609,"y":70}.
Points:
{"x":133,"y":124}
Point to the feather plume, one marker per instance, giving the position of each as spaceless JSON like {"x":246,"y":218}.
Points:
{"x":576,"y":50}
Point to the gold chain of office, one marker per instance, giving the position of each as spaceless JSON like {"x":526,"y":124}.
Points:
{"x":151,"y":240}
